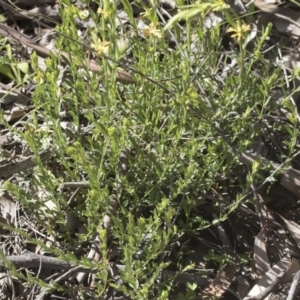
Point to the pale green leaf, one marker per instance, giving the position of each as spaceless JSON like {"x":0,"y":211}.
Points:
{"x":23,"y":67}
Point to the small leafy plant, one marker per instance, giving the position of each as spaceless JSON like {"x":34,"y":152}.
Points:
{"x":180,"y":123}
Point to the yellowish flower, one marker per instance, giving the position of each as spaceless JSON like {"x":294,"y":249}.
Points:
{"x":2,"y":18}
{"x":84,"y":14}
{"x":152,"y":30}
{"x":101,"y":47}
{"x":39,"y":78}
{"x":105,"y":13}
{"x":219,"y":5}
{"x":239,"y":31}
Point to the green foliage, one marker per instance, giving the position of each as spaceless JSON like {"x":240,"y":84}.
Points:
{"x":191,"y":294}
{"x":203,"y":8}
{"x":177,"y":153}
{"x":11,"y":67}
{"x":222,"y":259}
